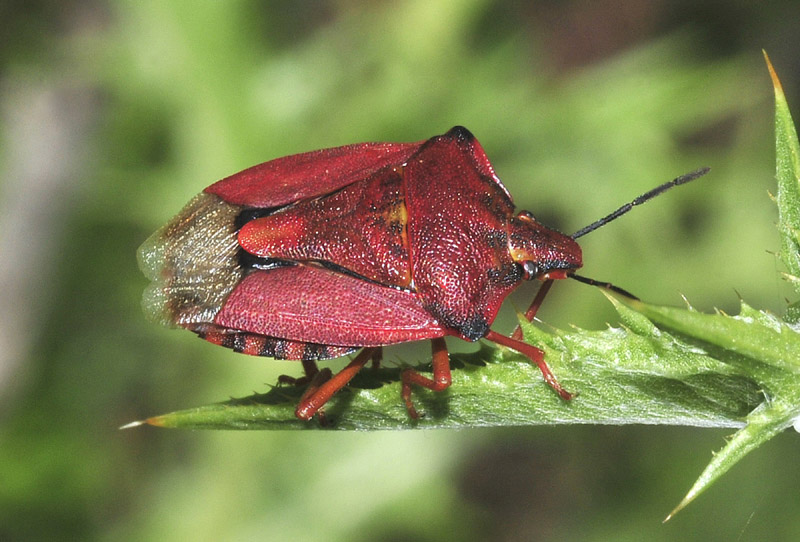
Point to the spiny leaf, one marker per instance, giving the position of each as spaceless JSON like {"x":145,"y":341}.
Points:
{"x":763,"y":424}
{"x":759,"y":335}
{"x":764,"y":338}
{"x":755,"y":343}
{"x":787,"y":154}
{"x":623,"y":376}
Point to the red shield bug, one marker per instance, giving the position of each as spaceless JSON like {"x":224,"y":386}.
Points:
{"x":316,"y":255}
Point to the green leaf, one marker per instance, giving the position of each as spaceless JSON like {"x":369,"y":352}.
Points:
{"x":771,"y":346}
{"x":759,"y":335}
{"x":756,"y":344}
{"x":787,"y":154}
{"x":764,"y":423}
{"x":623,"y":376}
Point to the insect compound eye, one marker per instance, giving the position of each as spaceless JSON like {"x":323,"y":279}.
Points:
{"x":530,"y":269}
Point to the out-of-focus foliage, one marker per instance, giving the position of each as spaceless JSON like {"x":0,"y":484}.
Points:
{"x":580,"y":108}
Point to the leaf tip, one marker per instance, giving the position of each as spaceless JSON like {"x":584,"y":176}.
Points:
{"x":776,"y":83}
{"x":681,"y":505}
{"x":157,"y":421}
{"x":619,"y":298}
{"x":133,"y":424}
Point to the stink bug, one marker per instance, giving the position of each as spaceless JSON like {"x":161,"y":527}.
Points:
{"x":316,"y":255}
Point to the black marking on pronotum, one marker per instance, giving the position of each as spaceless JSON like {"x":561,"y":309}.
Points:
{"x":472,"y":329}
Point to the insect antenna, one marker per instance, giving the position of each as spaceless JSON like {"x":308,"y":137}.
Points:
{"x":683,"y":179}
{"x":647,"y":196}
{"x":602,"y":284}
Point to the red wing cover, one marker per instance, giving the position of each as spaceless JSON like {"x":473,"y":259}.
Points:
{"x":311,"y":174}
{"x":313,"y":304}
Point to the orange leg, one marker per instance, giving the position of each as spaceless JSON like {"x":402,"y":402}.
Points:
{"x":536,"y":355}
{"x":323,"y":387}
{"x":534,"y":308}
{"x":319,"y":378}
{"x":441,"y":375}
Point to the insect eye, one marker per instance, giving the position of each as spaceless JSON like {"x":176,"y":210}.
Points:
{"x":530,"y":270}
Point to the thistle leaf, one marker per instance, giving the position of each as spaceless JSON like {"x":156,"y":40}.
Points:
{"x":787,"y":154}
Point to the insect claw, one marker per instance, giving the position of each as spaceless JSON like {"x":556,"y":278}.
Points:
{"x":323,"y":419}
{"x":406,"y":394}
{"x":535,"y":355}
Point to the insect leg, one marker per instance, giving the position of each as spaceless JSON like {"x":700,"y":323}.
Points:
{"x":441,"y":375}
{"x":309,"y":368}
{"x":377,"y":357}
{"x":535,"y":354}
{"x":314,"y":383}
{"x":534,"y":308}
{"x":320,"y":392}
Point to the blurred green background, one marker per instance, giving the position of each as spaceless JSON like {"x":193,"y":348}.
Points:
{"x":113,"y":114}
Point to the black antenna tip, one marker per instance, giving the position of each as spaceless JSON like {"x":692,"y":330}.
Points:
{"x":683,"y":179}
